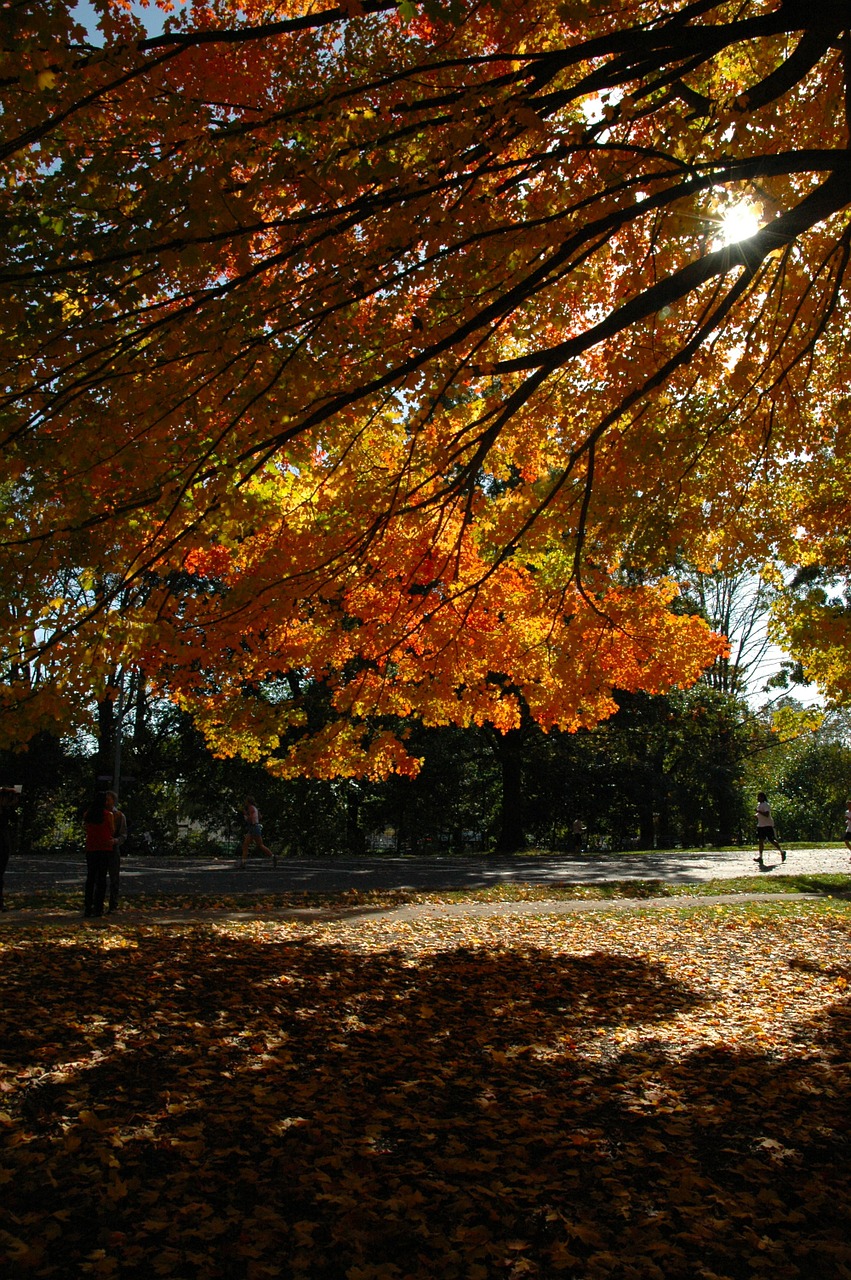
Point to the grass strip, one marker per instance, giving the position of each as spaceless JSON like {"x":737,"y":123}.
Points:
{"x":828,"y":885}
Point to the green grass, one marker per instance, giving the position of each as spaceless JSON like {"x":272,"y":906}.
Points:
{"x":828,"y":886}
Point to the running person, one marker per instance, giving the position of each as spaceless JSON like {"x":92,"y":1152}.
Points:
{"x":253,"y":830}
{"x":765,"y":827}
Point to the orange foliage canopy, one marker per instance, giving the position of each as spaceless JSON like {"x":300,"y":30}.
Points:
{"x":402,"y":348}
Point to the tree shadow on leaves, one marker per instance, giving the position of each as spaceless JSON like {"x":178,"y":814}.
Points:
{"x":202,"y":1105}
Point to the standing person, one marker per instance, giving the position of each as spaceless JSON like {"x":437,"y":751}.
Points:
{"x":9,"y":801}
{"x":253,"y":830}
{"x":579,"y":830}
{"x":848,"y":823}
{"x":765,"y":827}
{"x":100,"y":830}
{"x":119,"y":836}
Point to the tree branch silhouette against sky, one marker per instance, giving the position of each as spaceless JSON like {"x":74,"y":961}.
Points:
{"x":406,"y":348}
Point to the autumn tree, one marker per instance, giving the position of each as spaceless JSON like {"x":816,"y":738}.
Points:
{"x":403,"y":348}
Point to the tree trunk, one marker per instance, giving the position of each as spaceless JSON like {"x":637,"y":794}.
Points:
{"x":508,"y":749}
{"x":664,"y":832}
{"x":355,"y":842}
{"x":646,"y":825}
{"x":140,"y":711}
{"x":106,"y":739}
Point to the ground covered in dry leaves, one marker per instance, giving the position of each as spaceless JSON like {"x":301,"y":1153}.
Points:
{"x":653,"y":1095}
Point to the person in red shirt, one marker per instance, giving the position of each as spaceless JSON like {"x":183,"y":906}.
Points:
{"x":100,"y":833}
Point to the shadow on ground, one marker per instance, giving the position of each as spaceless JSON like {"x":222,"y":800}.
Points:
{"x":197,"y":1105}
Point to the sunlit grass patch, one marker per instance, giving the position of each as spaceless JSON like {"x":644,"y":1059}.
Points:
{"x":641,"y":889}
{"x":836,"y":884}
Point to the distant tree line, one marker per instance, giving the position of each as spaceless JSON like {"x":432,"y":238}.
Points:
{"x":665,"y":771}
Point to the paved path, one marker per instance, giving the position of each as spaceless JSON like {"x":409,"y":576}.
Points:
{"x":431,"y":875}
{"x":181,"y":877}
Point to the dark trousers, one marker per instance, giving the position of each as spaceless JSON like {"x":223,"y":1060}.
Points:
{"x":97,"y":865}
{"x":114,"y":872}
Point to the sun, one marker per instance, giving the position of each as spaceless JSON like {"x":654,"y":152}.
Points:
{"x":739,"y":223}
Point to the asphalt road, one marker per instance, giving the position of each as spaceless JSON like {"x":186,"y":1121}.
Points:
{"x":144,"y":875}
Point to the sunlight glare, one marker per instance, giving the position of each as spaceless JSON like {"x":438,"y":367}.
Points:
{"x":739,"y":223}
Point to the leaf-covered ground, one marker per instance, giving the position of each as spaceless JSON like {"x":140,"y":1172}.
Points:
{"x":651,"y":1095}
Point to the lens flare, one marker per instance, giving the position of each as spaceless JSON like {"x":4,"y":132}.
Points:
{"x":739,"y":223}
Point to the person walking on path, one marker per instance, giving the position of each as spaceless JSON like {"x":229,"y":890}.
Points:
{"x":118,"y":838}
{"x":848,"y":824}
{"x":10,"y":798}
{"x":765,"y":828}
{"x":253,"y":830}
{"x":100,"y":831}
